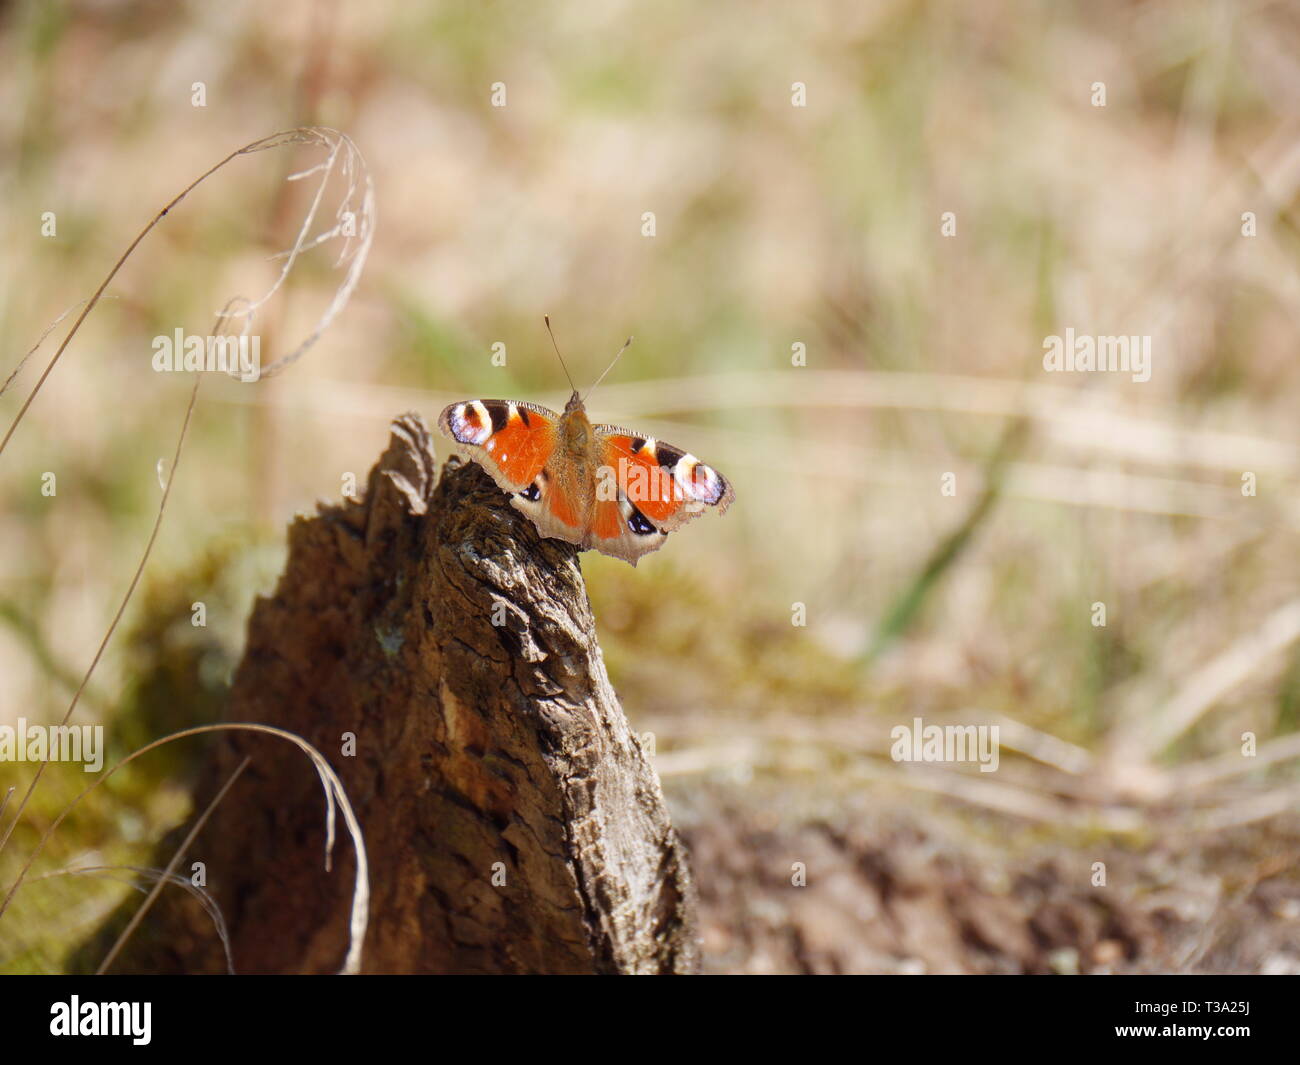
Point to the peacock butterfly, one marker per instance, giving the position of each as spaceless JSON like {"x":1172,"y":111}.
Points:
{"x":597,"y":486}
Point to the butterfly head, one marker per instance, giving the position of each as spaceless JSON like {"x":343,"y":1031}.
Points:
{"x":575,"y":403}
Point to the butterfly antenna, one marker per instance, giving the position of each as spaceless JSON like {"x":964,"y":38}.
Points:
{"x":615,"y":359}
{"x":547,"y":319}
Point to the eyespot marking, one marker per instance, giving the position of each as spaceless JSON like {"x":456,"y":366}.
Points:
{"x":470,"y":423}
{"x":699,"y":482}
{"x":639,"y":524}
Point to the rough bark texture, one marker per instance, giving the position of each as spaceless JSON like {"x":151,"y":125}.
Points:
{"x":477,"y":743}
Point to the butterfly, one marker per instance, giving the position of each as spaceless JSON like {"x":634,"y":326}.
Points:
{"x":597,"y":486}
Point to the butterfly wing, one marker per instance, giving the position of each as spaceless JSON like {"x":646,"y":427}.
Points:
{"x":618,"y":529}
{"x":517,"y":444}
{"x":660,"y":487}
{"x":512,"y":441}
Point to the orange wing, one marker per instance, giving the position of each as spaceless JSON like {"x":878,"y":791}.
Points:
{"x":620,"y":529}
{"x":666,"y":485}
{"x":512,"y":441}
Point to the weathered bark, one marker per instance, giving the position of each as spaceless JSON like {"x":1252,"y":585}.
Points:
{"x":477,"y":743}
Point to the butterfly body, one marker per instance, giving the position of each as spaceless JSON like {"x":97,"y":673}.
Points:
{"x":597,"y":486}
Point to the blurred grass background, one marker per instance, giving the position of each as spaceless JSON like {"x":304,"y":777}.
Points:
{"x":775,"y":225}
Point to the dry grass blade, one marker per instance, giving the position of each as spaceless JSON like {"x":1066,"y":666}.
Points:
{"x":117,"y":617}
{"x":306,"y":135}
{"x":208,"y":903}
{"x":170,"y":868}
{"x":1148,"y":737}
{"x":353,"y":220}
{"x":335,"y":793}
{"x":1252,"y":809}
{"x":13,"y":376}
{"x":1215,"y":770}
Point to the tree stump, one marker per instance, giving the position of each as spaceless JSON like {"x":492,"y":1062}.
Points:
{"x":513,"y":823}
